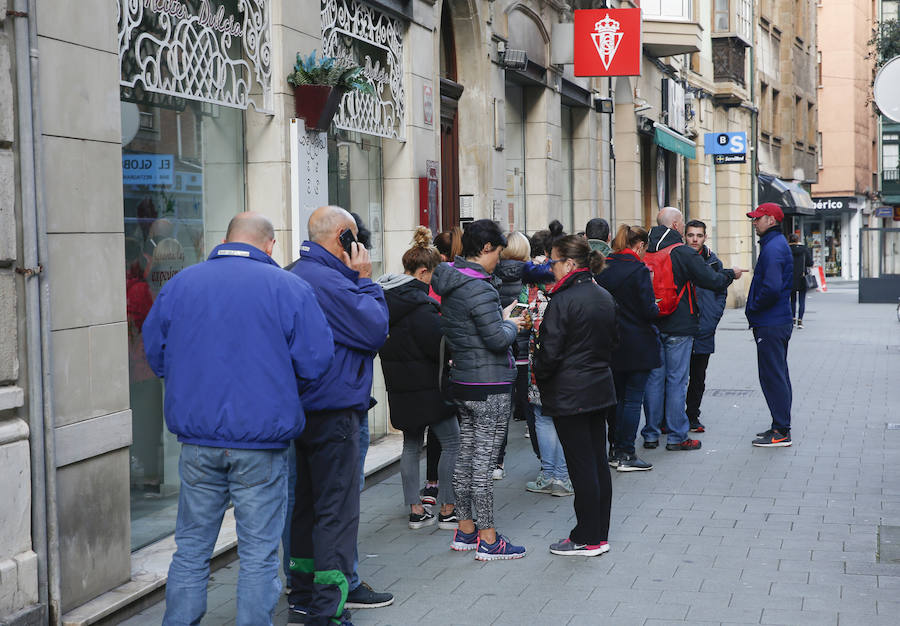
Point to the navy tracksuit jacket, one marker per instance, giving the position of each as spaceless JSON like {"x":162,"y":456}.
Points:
{"x":769,"y":312}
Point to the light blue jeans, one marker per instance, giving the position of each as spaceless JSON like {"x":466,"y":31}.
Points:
{"x":354,"y":581}
{"x":553,"y":460}
{"x":256,"y":482}
{"x":666,"y":390}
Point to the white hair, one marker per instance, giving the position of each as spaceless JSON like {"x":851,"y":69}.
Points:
{"x":668,"y":216}
{"x":323,"y":223}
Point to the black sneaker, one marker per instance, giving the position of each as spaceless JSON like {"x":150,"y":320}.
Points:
{"x":697,"y":427}
{"x":428,"y":495}
{"x":651,"y":445}
{"x":630,"y":463}
{"x":364,"y":597}
{"x":421,"y":520}
{"x":297,"y":615}
{"x":614,"y":457}
{"x":449,"y":521}
{"x":687,"y":444}
{"x":774,"y":439}
{"x":765,"y":433}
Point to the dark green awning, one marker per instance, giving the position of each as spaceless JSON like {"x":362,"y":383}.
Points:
{"x":667,"y":138}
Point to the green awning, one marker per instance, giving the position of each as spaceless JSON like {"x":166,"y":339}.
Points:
{"x":667,"y":138}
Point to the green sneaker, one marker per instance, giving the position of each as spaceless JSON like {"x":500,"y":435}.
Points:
{"x":542,"y":484}
{"x":562,"y":488}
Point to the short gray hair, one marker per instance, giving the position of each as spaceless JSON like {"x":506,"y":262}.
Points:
{"x":325,"y":220}
{"x":668,"y":216}
{"x":250,"y":227}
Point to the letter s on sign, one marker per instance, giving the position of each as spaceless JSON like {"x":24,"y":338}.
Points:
{"x":738,"y":145}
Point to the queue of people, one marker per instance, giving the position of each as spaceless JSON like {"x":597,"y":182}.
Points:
{"x":574,"y":334}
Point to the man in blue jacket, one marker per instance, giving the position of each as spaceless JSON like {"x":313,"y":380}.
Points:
{"x":231,"y":337}
{"x":712,"y":306}
{"x":326,"y":510}
{"x":769,"y":313}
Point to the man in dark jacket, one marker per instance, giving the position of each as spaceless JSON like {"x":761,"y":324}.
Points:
{"x":667,"y":385}
{"x":597,"y":233}
{"x":231,"y":337}
{"x":712,"y":306}
{"x":326,"y":512}
{"x":769,"y":313}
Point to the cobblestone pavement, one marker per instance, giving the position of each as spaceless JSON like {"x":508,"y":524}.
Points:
{"x":730,"y":534}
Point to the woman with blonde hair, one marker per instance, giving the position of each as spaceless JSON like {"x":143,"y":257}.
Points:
{"x":412,"y":364}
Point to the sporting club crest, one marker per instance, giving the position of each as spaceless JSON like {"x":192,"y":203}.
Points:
{"x":606,"y":37}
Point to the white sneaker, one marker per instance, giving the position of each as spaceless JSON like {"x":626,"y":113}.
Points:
{"x":499,"y":473}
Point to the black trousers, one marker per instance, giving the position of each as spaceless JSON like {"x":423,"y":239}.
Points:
{"x":583,"y":439}
{"x":325,"y":522}
{"x":696,"y":386}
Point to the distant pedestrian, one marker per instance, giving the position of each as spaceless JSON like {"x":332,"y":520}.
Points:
{"x":571,"y":365}
{"x":768,"y":310}
{"x":712,"y":306}
{"x":678,"y":271}
{"x":480,"y":335}
{"x":413,"y":364}
{"x":597,"y":231}
{"x":232,"y":337}
{"x":638,"y":353}
{"x":803,"y":260}
{"x":324,"y":560}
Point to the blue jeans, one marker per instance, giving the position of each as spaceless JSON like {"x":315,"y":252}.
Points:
{"x":666,"y":390}
{"x":630,"y":392}
{"x":354,"y":581}
{"x":256,"y":482}
{"x":553,"y":460}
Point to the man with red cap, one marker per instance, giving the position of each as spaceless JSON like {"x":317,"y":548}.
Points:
{"x":769,"y":312}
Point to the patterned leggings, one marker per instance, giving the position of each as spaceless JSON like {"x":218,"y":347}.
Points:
{"x":481,"y":432}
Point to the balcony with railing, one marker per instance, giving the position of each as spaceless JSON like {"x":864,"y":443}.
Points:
{"x":669,"y":27}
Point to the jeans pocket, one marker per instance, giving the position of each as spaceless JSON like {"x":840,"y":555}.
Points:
{"x":191,"y":465}
{"x":254,"y":467}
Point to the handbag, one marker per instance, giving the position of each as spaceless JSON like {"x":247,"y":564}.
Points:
{"x":811,"y":282}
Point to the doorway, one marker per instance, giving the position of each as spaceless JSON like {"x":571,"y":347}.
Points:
{"x":450,"y":94}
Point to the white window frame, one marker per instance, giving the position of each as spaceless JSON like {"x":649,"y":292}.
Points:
{"x":668,"y":10}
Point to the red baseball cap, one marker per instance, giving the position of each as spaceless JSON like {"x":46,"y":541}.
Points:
{"x":768,"y":208}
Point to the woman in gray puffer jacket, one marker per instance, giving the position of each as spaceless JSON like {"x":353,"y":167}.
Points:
{"x":480,"y":335}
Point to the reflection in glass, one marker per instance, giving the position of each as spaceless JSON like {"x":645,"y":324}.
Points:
{"x":182,"y":181}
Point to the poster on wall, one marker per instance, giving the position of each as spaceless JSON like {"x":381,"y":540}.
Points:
{"x":608,"y":42}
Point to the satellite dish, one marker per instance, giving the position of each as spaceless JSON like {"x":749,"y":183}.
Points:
{"x":887,"y":89}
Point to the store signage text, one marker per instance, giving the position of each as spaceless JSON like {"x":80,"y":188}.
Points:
{"x":884,"y":211}
{"x":608,"y":42}
{"x":835,"y":204}
{"x":208,"y":18}
{"x":725,"y":159}
{"x":725,"y":143}
{"x":147,"y":169}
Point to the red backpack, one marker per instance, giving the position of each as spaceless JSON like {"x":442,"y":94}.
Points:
{"x":667,"y":294}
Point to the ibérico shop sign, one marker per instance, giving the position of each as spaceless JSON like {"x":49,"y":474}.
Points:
{"x":608,"y":42}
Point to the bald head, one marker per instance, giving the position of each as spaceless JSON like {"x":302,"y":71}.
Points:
{"x":251,"y":228}
{"x":670,"y":217}
{"x":327,"y":222}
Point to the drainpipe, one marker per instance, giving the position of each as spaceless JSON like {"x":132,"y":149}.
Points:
{"x":45,"y":535}
{"x":754,"y":134}
{"x":611,"y":156}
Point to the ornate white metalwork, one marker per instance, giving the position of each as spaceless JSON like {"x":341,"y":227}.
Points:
{"x":196,"y":49}
{"x":375,"y":41}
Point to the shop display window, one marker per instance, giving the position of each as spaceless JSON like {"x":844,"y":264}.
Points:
{"x":182,"y":182}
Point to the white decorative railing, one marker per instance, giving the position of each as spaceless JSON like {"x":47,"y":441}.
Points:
{"x":357,"y":32}
{"x":195,"y":49}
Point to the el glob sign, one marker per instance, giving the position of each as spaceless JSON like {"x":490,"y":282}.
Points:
{"x":608,"y":42}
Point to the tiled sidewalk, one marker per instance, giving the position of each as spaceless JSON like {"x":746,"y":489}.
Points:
{"x":730,"y":534}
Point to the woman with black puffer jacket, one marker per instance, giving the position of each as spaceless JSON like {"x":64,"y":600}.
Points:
{"x":411,"y":360}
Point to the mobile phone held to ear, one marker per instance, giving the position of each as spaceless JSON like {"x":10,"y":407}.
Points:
{"x":518,"y":310}
{"x":347,"y":239}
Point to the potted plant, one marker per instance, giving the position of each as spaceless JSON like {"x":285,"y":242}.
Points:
{"x":319,"y":85}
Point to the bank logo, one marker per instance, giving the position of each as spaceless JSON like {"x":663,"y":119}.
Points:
{"x":606,"y":38}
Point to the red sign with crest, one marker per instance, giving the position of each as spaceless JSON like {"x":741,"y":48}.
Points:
{"x":608,"y":42}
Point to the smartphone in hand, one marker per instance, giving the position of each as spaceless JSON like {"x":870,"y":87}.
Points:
{"x":347,"y":240}
{"x":518,"y":310}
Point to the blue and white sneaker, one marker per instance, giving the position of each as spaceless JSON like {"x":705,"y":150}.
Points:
{"x":463,"y":542}
{"x":501,"y":549}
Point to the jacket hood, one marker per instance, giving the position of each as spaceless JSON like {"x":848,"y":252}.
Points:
{"x":623,"y":266}
{"x":662,"y":237}
{"x":451,"y":276}
{"x":402,"y":299}
{"x":390,"y":281}
{"x":600,"y":246}
{"x":798,"y":250}
{"x":509,"y":270}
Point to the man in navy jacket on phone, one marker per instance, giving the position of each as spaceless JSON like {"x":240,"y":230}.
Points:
{"x":769,"y":312}
{"x":325,"y":521}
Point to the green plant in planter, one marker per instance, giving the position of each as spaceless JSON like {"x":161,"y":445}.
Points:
{"x":330,"y":72}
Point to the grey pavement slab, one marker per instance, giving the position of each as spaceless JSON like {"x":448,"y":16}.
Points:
{"x":730,"y":534}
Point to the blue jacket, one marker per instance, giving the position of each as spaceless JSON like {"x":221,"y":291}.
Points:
{"x":231,"y":336}
{"x":712,"y":306}
{"x":769,"y":300}
{"x":358,"y":316}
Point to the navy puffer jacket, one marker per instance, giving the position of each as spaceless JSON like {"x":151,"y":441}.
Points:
{"x":472,"y":320}
{"x":712,"y":306}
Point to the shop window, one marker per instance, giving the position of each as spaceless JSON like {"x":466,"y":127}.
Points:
{"x":183,"y":181}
